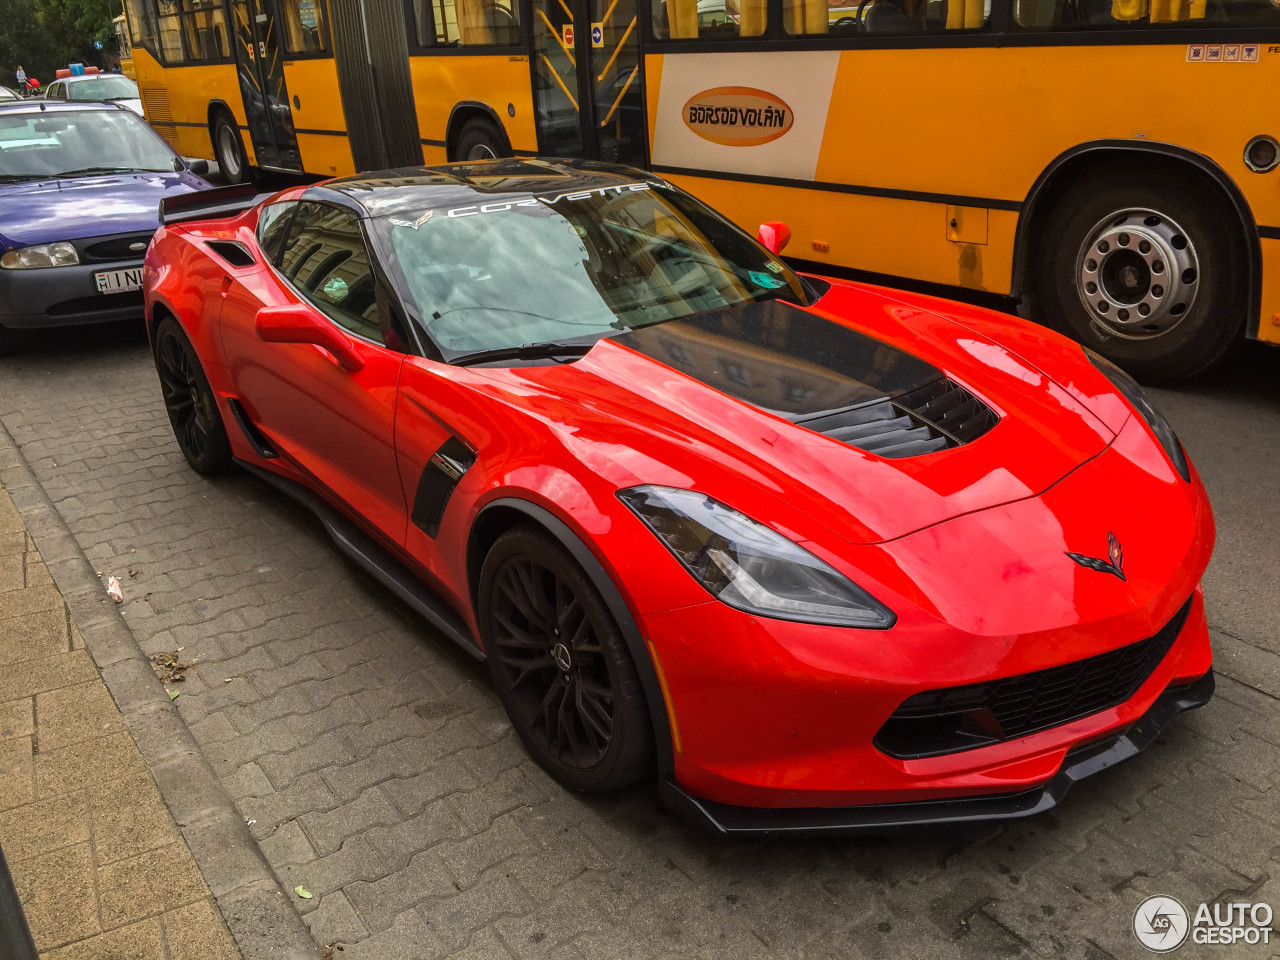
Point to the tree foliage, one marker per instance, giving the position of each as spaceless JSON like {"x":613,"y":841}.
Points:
{"x":43,"y":35}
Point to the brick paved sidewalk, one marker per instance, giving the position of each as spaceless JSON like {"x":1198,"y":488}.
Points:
{"x":99,"y":863}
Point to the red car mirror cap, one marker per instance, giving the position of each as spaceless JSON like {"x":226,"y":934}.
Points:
{"x":294,"y":323}
{"x":774,"y":235}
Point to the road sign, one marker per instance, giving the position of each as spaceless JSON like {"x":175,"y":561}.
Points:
{"x":568,"y":35}
{"x":597,"y":35}
{"x":97,"y":44}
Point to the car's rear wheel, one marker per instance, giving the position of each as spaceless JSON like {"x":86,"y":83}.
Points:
{"x":561,"y":665}
{"x":228,"y":147}
{"x":481,"y":139}
{"x":1144,"y":270}
{"x":189,"y":401}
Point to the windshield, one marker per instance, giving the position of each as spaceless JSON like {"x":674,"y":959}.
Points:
{"x":70,"y":142}
{"x":103,"y":88}
{"x":531,"y":270}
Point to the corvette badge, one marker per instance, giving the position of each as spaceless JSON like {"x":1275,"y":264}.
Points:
{"x":1113,"y":564}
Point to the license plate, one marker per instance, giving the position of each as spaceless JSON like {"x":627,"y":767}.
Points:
{"x":119,"y":281}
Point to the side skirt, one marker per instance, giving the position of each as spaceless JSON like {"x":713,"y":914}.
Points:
{"x":377,"y":562}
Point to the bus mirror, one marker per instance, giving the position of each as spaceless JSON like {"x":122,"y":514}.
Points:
{"x":774,"y":235}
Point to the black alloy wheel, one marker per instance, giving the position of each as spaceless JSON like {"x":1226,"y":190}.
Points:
{"x":189,"y":401}
{"x":561,"y":665}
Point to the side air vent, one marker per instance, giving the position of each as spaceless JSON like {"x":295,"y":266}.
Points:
{"x":936,"y":416}
{"x":232,"y":251}
{"x":435,"y":487}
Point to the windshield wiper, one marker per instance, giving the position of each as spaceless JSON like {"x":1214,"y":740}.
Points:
{"x":86,"y":171}
{"x":549,"y":349}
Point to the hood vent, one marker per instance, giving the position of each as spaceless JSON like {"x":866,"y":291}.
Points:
{"x":936,"y":416}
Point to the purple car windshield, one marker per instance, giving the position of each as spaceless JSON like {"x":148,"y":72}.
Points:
{"x":67,"y":143}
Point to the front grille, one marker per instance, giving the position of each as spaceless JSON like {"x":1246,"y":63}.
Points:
{"x":938,"y":415}
{"x":114,"y":249}
{"x":102,"y":302}
{"x":962,"y":718}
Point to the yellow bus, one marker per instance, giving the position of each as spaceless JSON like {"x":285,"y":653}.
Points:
{"x":1103,"y":161}
{"x":124,"y":52}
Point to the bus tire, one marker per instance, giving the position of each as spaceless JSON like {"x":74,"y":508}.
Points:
{"x":1143,"y":270}
{"x":480,"y":139}
{"x":228,"y":147}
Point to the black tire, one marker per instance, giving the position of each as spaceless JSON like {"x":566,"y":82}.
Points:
{"x":480,"y":139}
{"x":546,"y":629}
{"x":189,"y":401}
{"x":228,"y":147}
{"x":1166,"y":344}
{"x":8,"y":341}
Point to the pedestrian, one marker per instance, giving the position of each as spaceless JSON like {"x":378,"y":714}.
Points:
{"x":22,"y":80}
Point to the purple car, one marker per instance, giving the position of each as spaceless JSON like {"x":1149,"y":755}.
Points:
{"x":80,"y":189}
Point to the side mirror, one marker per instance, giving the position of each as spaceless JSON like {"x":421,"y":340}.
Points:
{"x":200,"y":167}
{"x":774,"y":235}
{"x":298,"y":324}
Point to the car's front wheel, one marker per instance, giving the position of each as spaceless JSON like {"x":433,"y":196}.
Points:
{"x":561,"y":665}
{"x":189,"y":401}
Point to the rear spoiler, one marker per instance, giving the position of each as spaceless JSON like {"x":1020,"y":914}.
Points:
{"x":214,"y":204}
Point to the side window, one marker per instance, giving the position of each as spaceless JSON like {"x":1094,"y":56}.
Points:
{"x":1134,"y":14}
{"x":206,"y":29}
{"x":466,"y":23}
{"x":709,"y":19}
{"x":846,"y":17}
{"x":273,"y":224}
{"x":327,"y":260}
{"x":304,"y":26}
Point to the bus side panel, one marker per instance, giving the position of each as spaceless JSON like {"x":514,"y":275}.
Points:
{"x":441,"y":82}
{"x":970,"y":127}
{"x":318,"y":118}
{"x":1269,"y":327}
{"x":176,"y":102}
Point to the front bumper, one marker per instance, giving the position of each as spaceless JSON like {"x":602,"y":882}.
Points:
{"x":64,"y":297}
{"x":1082,"y":761}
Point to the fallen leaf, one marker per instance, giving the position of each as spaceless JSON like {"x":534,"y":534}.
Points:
{"x":302,"y":891}
{"x":173,"y":694}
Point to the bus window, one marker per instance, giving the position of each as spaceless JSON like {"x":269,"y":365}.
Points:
{"x":843,"y":17}
{"x":303,"y":27}
{"x":171,"y":39}
{"x":708,"y":19}
{"x":468,"y":23}
{"x":206,"y":30}
{"x":1047,"y":14}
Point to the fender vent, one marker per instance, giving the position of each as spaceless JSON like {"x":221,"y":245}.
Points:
{"x":435,"y":487}
{"x":231,"y":251}
{"x":936,"y":416}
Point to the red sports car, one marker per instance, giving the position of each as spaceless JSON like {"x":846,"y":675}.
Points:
{"x":823,"y":556}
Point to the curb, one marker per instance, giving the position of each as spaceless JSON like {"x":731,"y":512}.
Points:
{"x":256,"y":909}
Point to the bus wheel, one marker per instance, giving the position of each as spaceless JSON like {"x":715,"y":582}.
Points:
{"x":480,"y":139}
{"x":229,"y":149}
{"x":1145,"y":272}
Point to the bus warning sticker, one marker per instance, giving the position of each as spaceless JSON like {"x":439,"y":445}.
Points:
{"x":738,"y":116}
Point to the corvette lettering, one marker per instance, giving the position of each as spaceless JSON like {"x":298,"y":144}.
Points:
{"x":475,"y":209}
{"x":738,"y":116}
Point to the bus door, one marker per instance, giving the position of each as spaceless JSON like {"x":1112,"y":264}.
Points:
{"x":262,"y":86}
{"x":588,"y":88}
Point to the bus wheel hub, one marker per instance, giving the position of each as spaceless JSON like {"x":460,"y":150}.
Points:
{"x":1137,"y":274}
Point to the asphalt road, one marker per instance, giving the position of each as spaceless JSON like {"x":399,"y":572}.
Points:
{"x":379,"y":771}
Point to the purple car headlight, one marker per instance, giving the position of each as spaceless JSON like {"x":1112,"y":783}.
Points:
{"x":41,"y":255}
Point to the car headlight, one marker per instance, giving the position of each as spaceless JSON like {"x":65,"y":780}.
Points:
{"x":41,"y":255}
{"x":1137,"y":397}
{"x":750,"y":566}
